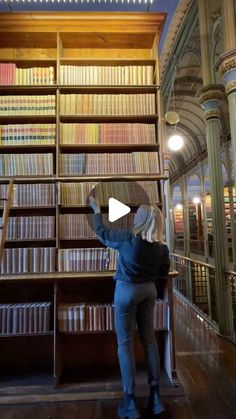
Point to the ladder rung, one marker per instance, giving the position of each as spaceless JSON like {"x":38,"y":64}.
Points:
{"x":5,"y":216}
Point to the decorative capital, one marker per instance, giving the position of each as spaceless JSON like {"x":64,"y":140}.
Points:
{"x":226,"y":62}
{"x":210,"y":98}
{"x":226,"y":65}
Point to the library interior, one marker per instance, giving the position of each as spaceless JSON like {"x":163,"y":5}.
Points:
{"x":132,"y":103}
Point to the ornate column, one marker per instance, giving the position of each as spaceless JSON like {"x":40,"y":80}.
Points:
{"x":204,"y":217}
{"x":207,"y":70}
{"x":185,"y":217}
{"x":226,"y":65}
{"x":169,"y":222}
{"x":227,"y":68}
{"x":229,"y":26}
{"x":210,"y":99}
{"x":205,"y":231}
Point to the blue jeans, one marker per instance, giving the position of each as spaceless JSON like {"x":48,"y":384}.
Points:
{"x":134,"y":303}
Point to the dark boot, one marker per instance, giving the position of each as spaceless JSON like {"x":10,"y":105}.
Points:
{"x":128,"y":408}
{"x":155,"y":406}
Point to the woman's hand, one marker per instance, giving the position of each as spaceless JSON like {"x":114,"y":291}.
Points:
{"x":94,"y":203}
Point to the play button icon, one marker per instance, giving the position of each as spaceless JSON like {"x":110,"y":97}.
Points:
{"x":116,"y":209}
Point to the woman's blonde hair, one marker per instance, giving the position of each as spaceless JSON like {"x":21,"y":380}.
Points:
{"x":148,"y":222}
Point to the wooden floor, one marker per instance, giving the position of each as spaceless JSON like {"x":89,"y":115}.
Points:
{"x":206,"y":366}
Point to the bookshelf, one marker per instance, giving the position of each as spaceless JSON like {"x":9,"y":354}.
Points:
{"x":210,"y":238}
{"x":227,"y":207}
{"x":79,"y":100}
{"x":178,"y":227}
{"x":230,"y":211}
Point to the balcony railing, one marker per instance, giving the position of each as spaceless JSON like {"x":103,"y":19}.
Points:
{"x":231,"y":276}
{"x":198,"y":247}
{"x":196,"y":285}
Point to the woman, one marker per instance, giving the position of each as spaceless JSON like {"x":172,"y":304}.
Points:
{"x":143,"y":259}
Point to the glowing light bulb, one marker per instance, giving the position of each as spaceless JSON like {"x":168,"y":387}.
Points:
{"x":179,"y":206}
{"x":196,"y":200}
{"x":175,"y":142}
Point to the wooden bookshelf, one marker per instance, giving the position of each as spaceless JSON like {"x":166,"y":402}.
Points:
{"x":230,"y":208}
{"x":227,"y":206}
{"x":104,"y":54}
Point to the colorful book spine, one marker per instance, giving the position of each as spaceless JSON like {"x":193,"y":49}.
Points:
{"x":107,"y":133}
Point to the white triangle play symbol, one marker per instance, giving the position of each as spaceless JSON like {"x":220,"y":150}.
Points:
{"x":116,"y":210}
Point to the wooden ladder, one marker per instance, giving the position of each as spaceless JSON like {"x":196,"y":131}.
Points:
{"x":5,"y":216}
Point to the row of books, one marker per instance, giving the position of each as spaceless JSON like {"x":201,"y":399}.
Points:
{"x":79,"y":104}
{"x":32,"y":227}
{"x":80,"y":225}
{"x":26,"y":164}
{"x":77,"y":193}
{"x":82,"y":260}
{"x":113,"y":255}
{"x":120,"y":133}
{"x":139,"y":192}
{"x":30,"y":194}
{"x":178,"y":220}
{"x":71,"y":226}
{"x":73,"y":164}
{"x":24,"y":318}
{"x":27,"y":105}
{"x":28,"y":259}
{"x":43,"y":260}
{"x":76,"y":226}
{"x":106,"y":75}
{"x":25,"y":134}
{"x":83,"y":317}
{"x":107,"y":104}
{"x":110,"y":163}
{"x":10,"y":74}
{"x":115,"y":133}
{"x":78,"y":164}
